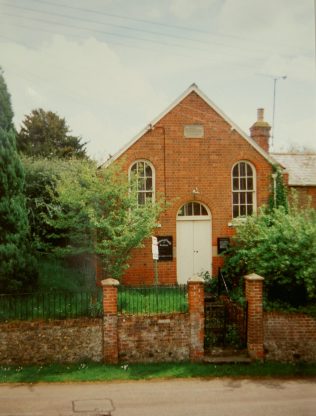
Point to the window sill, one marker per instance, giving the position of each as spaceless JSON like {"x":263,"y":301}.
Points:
{"x":236,"y":222}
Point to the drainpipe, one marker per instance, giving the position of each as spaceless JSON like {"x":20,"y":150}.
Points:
{"x":274,"y":176}
{"x":151,"y":128}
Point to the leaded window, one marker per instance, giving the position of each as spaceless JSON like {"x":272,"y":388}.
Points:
{"x":192,"y":209}
{"x":143,"y":174}
{"x":243,"y":186}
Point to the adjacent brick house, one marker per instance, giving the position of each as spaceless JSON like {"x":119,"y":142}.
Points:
{"x":301,"y":171}
{"x":209,"y":171}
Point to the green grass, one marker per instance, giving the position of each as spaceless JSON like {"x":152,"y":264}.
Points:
{"x":152,"y":299}
{"x":62,"y":305}
{"x":99,"y":372}
{"x":50,"y":305}
{"x":64,"y":290}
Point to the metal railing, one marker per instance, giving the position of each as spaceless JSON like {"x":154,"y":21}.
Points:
{"x":152,"y":299}
{"x":222,"y":285}
{"x":50,"y":305}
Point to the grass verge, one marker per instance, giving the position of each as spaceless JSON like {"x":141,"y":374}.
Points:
{"x":100,"y":372}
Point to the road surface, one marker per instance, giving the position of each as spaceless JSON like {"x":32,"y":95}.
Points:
{"x":198,"y":397}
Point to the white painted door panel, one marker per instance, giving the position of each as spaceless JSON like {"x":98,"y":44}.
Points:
{"x":193,"y":248}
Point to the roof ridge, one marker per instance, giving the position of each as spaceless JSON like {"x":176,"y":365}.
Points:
{"x":193,"y":88}
{"x":293,"y":154}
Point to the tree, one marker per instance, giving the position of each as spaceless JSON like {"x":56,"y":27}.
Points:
{"x":41,"y":177}
{"x":280,"y":246}
{"x":96,"y":212}
{"x":45,"y":134}
{"x":6,"y":113}
{"x":17,"y":268}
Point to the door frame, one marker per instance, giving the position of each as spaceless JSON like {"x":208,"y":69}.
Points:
{"x":203,"y":217}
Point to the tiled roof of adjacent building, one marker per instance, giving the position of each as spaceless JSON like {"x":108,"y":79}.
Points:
{"x":301,"y":167}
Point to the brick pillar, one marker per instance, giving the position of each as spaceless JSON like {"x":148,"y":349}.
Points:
{"x":255,"y":338}
{"x":110,"y":335}
{"x":196,"y":311}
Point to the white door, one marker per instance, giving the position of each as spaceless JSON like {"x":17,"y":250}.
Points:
{"x":193,"y":243}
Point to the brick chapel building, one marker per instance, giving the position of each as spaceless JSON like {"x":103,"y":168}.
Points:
{"x":211,"y":173}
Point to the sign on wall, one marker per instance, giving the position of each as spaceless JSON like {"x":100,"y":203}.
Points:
{"x":154,"y":248}
{"x":222,"y":244}
{"x":165,"y":247}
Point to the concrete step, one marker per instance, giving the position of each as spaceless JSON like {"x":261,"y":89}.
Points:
{"x":230,"y":359}
{"x":226,"y":356}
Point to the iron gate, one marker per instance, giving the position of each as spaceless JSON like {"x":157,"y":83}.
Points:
{"x":225,"y":324}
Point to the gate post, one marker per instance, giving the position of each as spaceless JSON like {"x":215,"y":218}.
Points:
{"x":255,"y":336}
{"x":110,"y":333}
{"x":196,"y":312}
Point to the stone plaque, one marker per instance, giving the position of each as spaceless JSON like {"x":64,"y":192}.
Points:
{"x":194,"y":131}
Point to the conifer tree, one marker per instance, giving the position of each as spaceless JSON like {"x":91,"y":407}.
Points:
{"x":6,"y":113}
{"x":45,"y":134}
{"x":16,"y":262}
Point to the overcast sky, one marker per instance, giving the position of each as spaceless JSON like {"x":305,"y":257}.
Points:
{"x":110,"y":66}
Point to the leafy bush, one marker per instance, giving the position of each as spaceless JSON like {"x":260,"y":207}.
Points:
{"x":96,"y":212}
{"x":281,"y":247}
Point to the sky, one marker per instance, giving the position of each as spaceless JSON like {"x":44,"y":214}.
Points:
{"x":111,"y":66}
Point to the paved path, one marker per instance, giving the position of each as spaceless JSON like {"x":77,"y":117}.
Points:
{"x":220,"y":397}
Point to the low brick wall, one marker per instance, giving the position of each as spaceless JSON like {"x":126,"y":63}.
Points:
{"x":39,"y":342}
{"x":157,"y":338}
{"x":289,"y":337}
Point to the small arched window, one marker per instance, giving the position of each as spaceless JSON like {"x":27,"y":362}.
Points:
{"x":193,"y":209}
{"x":143,"y":173}
{"x":244,"y":189}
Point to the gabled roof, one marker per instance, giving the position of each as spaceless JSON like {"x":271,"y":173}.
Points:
{"x":301,"y":167}
{"x":194,"y":88}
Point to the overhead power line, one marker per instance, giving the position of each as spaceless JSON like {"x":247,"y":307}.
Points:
{"x":124,"y":27}
{"x":138,"y":29}
{"x":154,"y":23}
{"x":103,"y":32}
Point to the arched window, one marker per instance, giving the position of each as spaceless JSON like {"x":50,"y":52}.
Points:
{"x":244,"y":189}
{"x":143,"y":173}
{"x":192,"y":209}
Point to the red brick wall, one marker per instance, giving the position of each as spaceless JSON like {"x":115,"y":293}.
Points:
{"x":153,"y":338}
{"x":289,"y":337}
{"x":306,"y":195}
{"x":255,"y":335}
{"x":183,"y":164}
{"x":157,"y":338}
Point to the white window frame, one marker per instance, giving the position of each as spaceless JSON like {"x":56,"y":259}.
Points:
{"x":245,"y":191}
{"x":153,"y":178}
{"x":193,"y":216}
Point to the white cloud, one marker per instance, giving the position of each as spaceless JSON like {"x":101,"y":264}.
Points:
{"x":86,"y":83}
{"x":184,"y":9}
{"x":35,"y":96}
{"x":108,"y":93}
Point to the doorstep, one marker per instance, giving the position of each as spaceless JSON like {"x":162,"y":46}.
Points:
{"x":226,"y":356}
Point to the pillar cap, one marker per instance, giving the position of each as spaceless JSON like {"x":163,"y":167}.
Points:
{"x":110,"y":282}
{"x":253,"y":277}
{"x":196,"y":279}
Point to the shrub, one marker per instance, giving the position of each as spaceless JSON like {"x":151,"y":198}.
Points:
{"x":281,"y":247}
